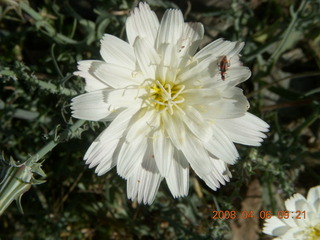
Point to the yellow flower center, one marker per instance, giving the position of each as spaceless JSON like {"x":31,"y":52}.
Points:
{"x":314,"y":233}
{"x":166,"y":96}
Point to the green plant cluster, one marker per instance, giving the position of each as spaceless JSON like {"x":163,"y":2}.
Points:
{"x":40,"y":45}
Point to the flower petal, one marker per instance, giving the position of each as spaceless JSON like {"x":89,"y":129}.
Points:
{"x":136,"y":142}
{"x":314,"y":197}
{"x":214,"y":48}
{"x":217,"y":176}
{"x":127,"y":97}
{"x":176,"y":129}
{"x":102,"y":149}
{"x":295,"y":202}
{"x":275,"y":226}
{"x":295,"y":233}
{"x":117,"y":128}
{"x":91,"y":106}
{"x":142,"y":124}
{"x":233,"y":104}
{"x":117,"y":52}
{"x":219,"y":48}
{"x":104,"y":104}
{"x":130,"y":157}
{"x":85,"y":70}
{"x":147,"y":57}
{"x":221,"y":146}
{"x":142,"y":23}
{"x":143,"y":185}
{"x":178,"y":177}
{"x":247,"y":130}
{"x":103,"y":152}
{"x":115,"y":76}
{"x":163,"y":152}
{"x":167,"y":69}
{"x":196,"y":155}
{"x":190,"y":41}
{"x":199,"y":98}
{"x":197,"y":73}
{"x":197,"y":125}
{"x":171,"y":28}
{"x":236,"y":75}
{"x":236,"y":50}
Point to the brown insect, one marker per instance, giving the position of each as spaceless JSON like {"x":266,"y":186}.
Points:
{"x":224,"y":64}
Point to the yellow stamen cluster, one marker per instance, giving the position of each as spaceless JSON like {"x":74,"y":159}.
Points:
{"x":166,"y":96}
{"x":314,"y":233}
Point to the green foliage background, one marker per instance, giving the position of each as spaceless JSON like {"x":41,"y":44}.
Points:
{"x":40,"y":44}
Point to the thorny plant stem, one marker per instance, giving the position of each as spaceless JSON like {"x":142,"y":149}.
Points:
{"x":53,"y":88}
{"x":53,"y":143}
{"x":20,"y":178}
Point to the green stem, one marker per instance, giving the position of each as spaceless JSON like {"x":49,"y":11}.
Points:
{"x":311,"y":119}
{"x":281,"y":48}
{"x":16,"y":182}
{"x":19,"y":178}
{"x":55,"y":61}
{"x":271,"y":195}
{"x":46,"y":27}
{"x":53,"y":143}
{"x":53,"y":88}
{"x":21,"y":71}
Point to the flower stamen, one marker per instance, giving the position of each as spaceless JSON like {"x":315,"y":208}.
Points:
{"x":314,"y":233}
{"x":166,"y":96}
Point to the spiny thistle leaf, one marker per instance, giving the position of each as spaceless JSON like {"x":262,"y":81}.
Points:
{"x":18,"y":179}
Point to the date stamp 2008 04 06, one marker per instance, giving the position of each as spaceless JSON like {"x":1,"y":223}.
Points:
{"x":261,"y":215}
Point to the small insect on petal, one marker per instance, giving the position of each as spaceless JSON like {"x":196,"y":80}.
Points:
{"x":224,"y":64}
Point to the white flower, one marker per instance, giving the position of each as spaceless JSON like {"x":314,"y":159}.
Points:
{"x":169,"y":107}
{"x":304,"y":218}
